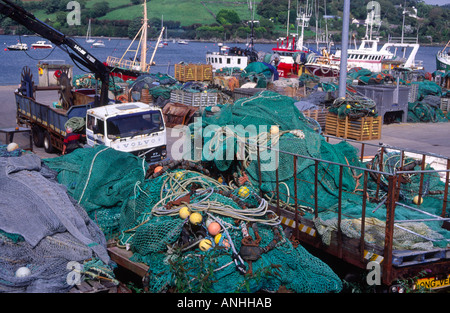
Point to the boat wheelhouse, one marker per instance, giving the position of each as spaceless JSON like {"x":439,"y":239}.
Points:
{"x":228,"y":57}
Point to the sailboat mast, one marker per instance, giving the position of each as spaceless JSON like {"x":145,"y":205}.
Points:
{"x":88,"y":33}
{"x":144,"y":40}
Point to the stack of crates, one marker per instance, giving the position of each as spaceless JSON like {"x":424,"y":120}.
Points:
{"x":193,"y":72}
{"x":195,"y":99}
{"x":361,"y":129}
{"x":445,"y":105}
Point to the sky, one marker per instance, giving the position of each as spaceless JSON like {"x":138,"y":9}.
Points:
{"x":438,"y":2}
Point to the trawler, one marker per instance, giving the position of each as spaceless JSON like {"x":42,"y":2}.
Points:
{"x":137,"y":65}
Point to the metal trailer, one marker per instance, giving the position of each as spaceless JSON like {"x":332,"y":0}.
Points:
{"x":46,"y":122}
{"x":395,"y":265}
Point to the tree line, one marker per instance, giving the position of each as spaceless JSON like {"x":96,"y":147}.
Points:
{"x":431,"y":25}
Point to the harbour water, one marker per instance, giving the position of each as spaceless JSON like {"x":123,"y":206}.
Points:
{"x":165,"y":58}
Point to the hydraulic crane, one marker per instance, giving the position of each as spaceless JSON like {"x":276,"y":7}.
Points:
{"x":67,"y":44}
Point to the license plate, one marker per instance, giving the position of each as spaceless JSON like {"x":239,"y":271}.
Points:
{"x":433,"y":283}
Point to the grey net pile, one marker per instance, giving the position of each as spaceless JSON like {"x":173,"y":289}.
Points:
{"x":41,"y":228}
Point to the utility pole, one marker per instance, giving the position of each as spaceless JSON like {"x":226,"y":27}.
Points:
{"x":344,"y":54}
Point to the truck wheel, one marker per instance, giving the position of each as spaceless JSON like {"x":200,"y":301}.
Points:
{"x":48,"y":147}
{"x":38,"y":136}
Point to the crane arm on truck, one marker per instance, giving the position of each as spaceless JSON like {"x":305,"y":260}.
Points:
{"x":67,"y":44}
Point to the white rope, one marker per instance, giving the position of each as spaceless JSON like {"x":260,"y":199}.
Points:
{"x":90,"y":172}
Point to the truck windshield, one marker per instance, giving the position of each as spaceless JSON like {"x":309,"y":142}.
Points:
{"x":134,"y":124}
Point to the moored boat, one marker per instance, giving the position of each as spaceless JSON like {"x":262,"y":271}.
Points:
{"x":99,"y":44}
{"x":130,"y":69}
{"x":41,"y":44}
{"x":231,"y":57}
{"x":18,"y":46}
{"x":443,"y":58}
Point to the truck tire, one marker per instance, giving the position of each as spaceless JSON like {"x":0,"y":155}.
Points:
{"x":38,"y":136}
{"x":48,"y":147}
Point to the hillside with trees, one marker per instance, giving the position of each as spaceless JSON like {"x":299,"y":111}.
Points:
{"x":229,"y":19}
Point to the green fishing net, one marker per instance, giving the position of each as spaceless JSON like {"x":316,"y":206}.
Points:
{"x":155,"y":236}
{"x":295,"y":137}
{"x":99,"y":179}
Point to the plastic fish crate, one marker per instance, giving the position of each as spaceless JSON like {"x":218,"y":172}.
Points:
{"x":445,"y":104}
{"x":364,"y":128}
{"x":196,"y":99}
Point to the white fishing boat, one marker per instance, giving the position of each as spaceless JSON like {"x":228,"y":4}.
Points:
{"x":88,"y":34}
{"x":41,"y":44}
{"x":233,"y":57}
{"x":392,"y":54}
{"x":229,"y":57}
{"x":182,"y":42}
{"x":443,"y":58}
{"x":18,"y":46}
{"x":98,"y":44}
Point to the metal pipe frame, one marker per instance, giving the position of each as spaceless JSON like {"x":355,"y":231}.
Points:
{"x":391,"y":201}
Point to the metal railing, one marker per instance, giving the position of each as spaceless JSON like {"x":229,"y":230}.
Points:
{"x":123,"y":64}
{"x":390,"y":200}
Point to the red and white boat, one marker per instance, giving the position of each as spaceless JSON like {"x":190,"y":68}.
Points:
{"x":322,"y":66}
{"x":286,"y":49}
{"x":41,"y":44}
{"x":290,"y":49}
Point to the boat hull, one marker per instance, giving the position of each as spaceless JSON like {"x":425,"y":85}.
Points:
{"x":41,"y":47}
{"x":16,"y":49}
{"x":442,"y":64}
{"x":322,"y":70}
{"x":124,"y":74}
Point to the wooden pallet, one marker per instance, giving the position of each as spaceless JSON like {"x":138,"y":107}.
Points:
{"x":364,"y":128}
{"x":95,"y":286}
{"x":402,"y":258}
{"x":319,"y":115}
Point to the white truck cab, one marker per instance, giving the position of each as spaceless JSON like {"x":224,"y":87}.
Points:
{"x":133,"y":127}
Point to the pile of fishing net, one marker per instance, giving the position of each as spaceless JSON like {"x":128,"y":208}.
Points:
{"x":158,"y":85}
{"x":426,"y":106}
{"x":44,"y":234}
{"x":367,"y":77}
{"x":228,"y":71}
{"x":141,"y":210}
{"x":99,"y":179}
{"x":5,"y":152}
{"x":89,"y":81}
{"x":354,"y":105}
{"x":154,"y":228}
{"x":294,"y":136}
{"x":260,"y":73}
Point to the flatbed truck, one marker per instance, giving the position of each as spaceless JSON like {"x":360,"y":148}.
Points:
{"x":134,"y":127}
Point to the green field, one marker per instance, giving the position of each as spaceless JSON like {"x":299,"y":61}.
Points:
{"x":187,"y":12}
